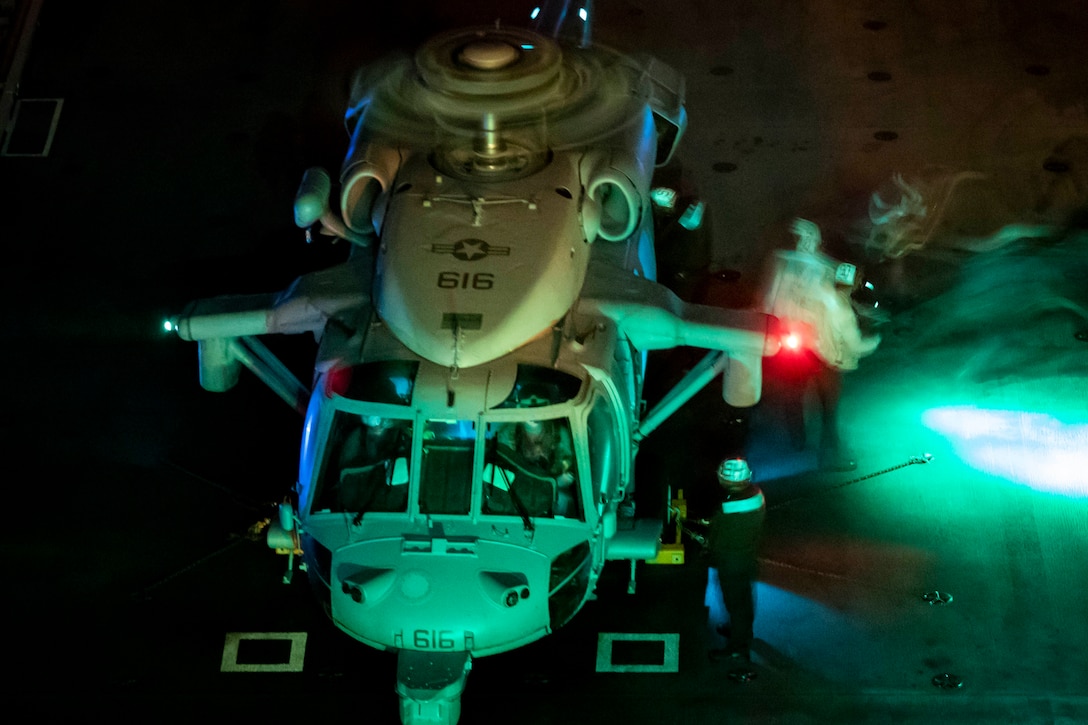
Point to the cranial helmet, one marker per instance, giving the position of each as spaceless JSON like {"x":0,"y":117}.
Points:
{"x":845,"y":274}
{"x":734,"y":473}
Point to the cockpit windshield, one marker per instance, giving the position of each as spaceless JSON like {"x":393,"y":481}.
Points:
{"x":445,"y":485}
{"x":520,"y":455}
{"x":366,"y":465}
{"x":529,"y":469}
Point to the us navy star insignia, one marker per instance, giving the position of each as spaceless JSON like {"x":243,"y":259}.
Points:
{"x":470,"y":250}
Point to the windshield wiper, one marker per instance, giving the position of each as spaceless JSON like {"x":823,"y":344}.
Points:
{"x":518,"y":503}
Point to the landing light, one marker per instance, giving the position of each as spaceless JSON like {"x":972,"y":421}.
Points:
{"x":168,"y":325}
{"x":583,"y":14}
{"x":536,"y":11}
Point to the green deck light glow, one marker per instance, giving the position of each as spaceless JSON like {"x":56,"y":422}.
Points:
{"x":1034,"y":449}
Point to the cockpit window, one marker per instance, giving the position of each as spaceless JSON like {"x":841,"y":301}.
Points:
{"x":536,"y":386}
{"x":365,"y":467}
{"x":388,"y":381}
{"x":529,"y":470}
{"x":445,"y":485}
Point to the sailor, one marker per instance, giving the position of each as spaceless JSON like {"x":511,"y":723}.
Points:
{"x":732,"y":541}
{"x":810,"y":294}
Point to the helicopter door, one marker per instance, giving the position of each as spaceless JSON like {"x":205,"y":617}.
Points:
{"x":609,"y":443}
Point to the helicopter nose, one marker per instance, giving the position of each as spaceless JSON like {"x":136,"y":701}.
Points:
{"x":477,"y":596}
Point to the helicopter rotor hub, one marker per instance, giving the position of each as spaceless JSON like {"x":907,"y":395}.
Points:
{"x":488,"y":55}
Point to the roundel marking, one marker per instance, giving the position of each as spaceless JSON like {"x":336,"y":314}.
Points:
{"x":469,"y":250}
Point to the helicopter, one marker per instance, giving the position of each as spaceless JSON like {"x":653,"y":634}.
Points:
{"x":470,"y":430}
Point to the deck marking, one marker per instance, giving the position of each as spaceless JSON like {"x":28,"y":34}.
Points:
{"x":671,"y":662}
{"x":294,"y":661}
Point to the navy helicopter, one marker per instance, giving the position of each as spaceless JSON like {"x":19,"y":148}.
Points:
{"x":467,"y":459}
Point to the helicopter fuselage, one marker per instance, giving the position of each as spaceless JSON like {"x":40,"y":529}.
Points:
{"x":467,"y":462}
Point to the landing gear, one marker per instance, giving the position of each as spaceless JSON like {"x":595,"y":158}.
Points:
{"x":430,"y":685}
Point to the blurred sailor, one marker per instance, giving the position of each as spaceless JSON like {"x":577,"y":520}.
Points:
{"x":810,"y":294}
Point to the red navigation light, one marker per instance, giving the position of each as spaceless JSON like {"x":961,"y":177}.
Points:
{"x":337,"y":381}
{"x":792,"y":341}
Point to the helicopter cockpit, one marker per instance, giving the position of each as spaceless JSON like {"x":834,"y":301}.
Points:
{"x":516,"y":459}
{"x":395,"y":489}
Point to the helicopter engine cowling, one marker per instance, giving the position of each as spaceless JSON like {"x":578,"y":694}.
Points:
{"x":368,"y":172}
{"x":488,"y":163}
{"x":617,"y":180}
{"x":614,"y":202}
